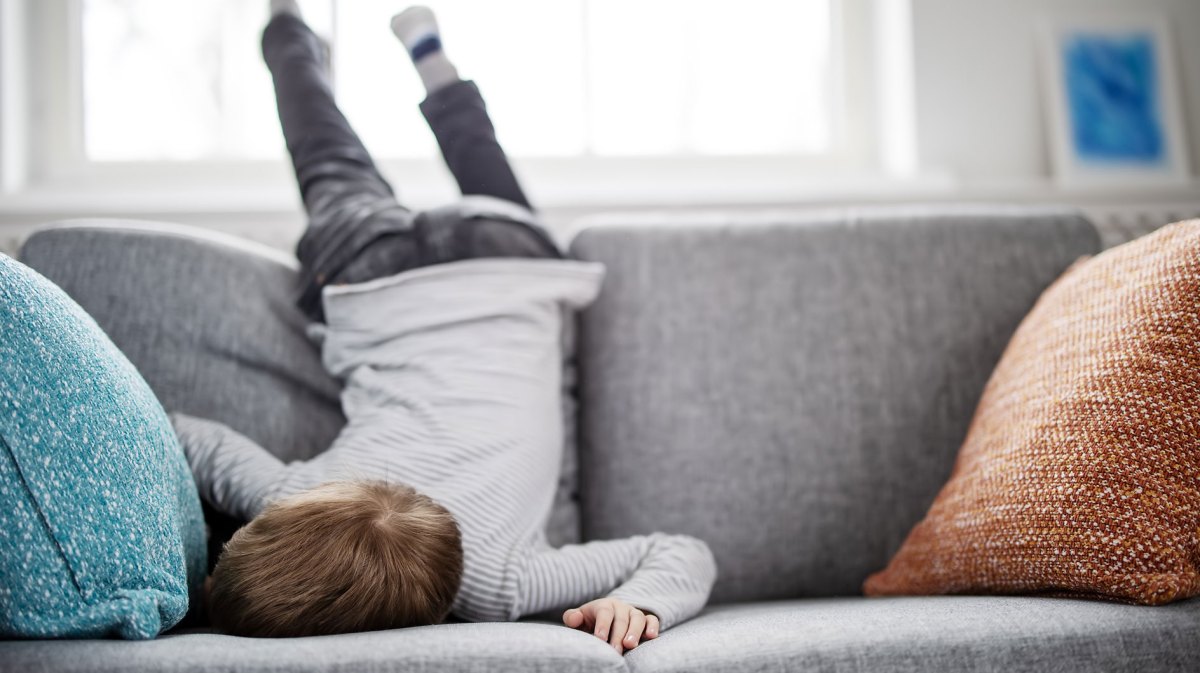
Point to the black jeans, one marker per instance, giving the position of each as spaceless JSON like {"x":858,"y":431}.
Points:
{"x":357,"y":230}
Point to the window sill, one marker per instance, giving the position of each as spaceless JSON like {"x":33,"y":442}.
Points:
{"x":567,"y":192}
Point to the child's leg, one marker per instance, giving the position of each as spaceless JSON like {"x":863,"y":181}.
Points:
{"x":351,"y":208}
{"x":456,"y":113}
{"x":458,"y":117}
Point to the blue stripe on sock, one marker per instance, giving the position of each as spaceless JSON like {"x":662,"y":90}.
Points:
{"x":426,"y":46}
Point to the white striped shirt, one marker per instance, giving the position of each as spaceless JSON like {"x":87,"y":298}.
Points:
{"x":452,"y":386}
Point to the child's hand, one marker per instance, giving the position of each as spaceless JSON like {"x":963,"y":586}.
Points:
{"x":621,"y":624}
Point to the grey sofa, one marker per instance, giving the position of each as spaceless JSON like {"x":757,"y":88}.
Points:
{"x":791,"y":387}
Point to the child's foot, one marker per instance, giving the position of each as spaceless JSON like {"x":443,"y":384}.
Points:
{"x":416,"y":26}
{"x":285,"y":7}
{"x":418,"y":31}
{"x":292,"y":8}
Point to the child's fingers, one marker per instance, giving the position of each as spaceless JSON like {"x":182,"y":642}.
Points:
{"x":637,"y":624}
{"x":573,"y":618}
{"x":651,"y":627}
{"x":604,"y":618}
{"x":619,"y":629}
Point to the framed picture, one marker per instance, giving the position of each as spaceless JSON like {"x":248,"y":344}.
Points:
{"x":1113,"y":101}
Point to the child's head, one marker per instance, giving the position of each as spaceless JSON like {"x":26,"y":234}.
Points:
{"x":346,"y":556}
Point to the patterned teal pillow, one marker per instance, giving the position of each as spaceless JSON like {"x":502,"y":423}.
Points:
{"x":101,"y":532}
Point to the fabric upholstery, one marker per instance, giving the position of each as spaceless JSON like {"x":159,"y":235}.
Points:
{"x":922,"y":635}
{"x":101,"y":532}
{"x":793,"y":388}
{"x":674,"y":296}
{"x":450,"y":648}
{"x":886,"y":635}
{"x":1081,"y":470}
{"x":210,"y":322}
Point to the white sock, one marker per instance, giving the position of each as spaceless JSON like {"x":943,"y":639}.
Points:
{"x":285,"y":7}
{"x":418,"y":31}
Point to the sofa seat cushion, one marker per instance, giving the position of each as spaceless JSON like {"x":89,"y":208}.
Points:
{"x":447,"y":648}
{"x":919,"y":634}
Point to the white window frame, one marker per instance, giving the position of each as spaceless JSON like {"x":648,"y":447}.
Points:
{"x":864,"y":146}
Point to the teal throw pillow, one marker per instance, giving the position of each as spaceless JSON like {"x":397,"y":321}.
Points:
{"x":101,"y":532}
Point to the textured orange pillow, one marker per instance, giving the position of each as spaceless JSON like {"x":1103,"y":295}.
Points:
{"x":1080,"y":474}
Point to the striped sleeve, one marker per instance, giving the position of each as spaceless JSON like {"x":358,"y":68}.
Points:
{"x":669,"y":576}
{"x":232,"y":473}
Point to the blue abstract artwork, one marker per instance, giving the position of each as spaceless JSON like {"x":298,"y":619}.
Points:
{"x":1113,"y":99}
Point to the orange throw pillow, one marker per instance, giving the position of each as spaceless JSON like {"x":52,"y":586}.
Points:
{"x":1080,"y":474}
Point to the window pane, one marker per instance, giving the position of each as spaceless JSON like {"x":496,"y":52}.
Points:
{"x":526,"y":56}
{"x":637,"y":68}
{"x":176,"y":80}
{"x":767,"y":89}
{"x":183,"y":80}
{"x":710,"y":77}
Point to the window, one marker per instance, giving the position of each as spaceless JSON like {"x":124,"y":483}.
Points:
{"x":182,"y":80}
{"x":623,"y":95}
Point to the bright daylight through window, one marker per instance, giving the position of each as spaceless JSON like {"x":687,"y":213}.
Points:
{"x":179,"y":80}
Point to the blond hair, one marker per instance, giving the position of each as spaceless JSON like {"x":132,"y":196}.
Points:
{"x":345,"y":556}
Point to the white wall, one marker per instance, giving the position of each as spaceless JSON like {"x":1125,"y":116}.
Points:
{"x":979,"y":103}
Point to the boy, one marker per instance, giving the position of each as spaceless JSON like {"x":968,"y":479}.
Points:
{"x":434,"y":496}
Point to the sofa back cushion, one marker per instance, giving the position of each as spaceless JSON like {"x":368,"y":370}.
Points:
{"x":208,"y":320}
{"x":793,"y":388}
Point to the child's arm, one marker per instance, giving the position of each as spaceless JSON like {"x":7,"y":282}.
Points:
{"x":668,"y":576}
{"x":232,"y":473}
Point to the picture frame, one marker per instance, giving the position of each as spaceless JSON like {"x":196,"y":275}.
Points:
{"x":1113,"y":101}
